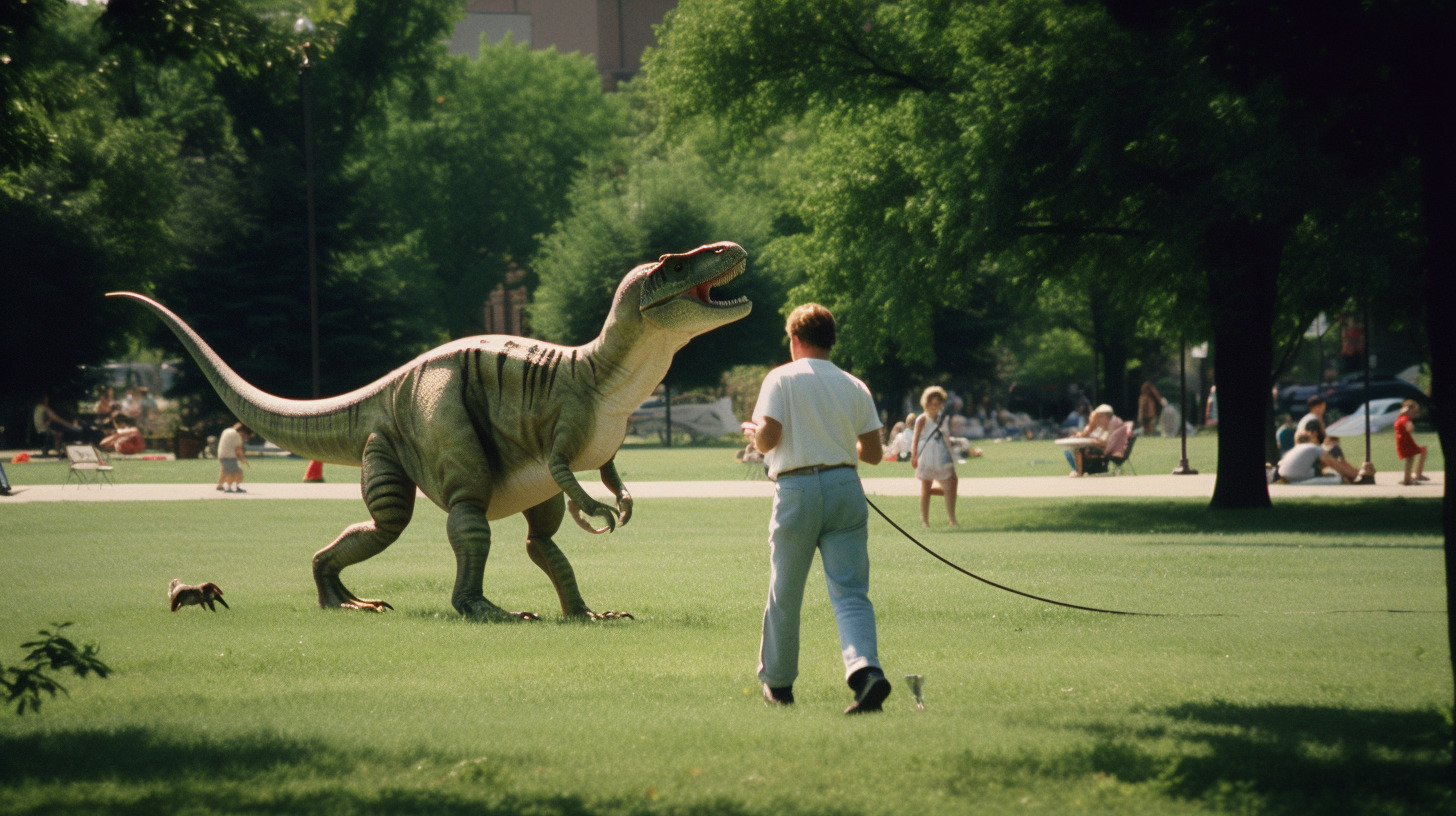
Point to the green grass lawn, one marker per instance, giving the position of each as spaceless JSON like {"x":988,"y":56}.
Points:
{"x":641,"y":461}
{"x":1303,"y":697}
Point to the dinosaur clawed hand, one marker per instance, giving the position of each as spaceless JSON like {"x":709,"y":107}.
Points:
{"x":607,"y":512}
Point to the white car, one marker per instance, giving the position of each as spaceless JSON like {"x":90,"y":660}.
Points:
{"x":1383,"y":413}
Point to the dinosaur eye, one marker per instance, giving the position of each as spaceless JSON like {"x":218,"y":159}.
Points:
{"x":677,"y":267}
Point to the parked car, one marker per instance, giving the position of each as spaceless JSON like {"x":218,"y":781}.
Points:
{"x":1382,"y":415}
{"x":1348,"y":394}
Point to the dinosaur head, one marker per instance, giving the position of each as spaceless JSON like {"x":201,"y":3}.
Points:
{"x":673,"y":294}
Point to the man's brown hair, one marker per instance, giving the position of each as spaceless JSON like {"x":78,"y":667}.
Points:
{"x":812,"y":324}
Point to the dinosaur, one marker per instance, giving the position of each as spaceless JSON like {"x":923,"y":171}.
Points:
{"x":490,"y":426}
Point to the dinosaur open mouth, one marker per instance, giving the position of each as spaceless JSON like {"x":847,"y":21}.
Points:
{"x":701,"y":292}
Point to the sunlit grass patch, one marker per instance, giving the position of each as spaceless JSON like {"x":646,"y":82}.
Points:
{"x":1300,"y":696}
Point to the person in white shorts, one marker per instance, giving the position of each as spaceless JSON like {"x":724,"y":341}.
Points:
{"x":931,"y":457}
{"x":230,"y":458}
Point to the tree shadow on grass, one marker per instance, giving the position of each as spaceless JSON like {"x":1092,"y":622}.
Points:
{"x":142,"y":772}
{"x":1276,"y":759}
{"x":1392,"y":520}
{"x":142,"y":755}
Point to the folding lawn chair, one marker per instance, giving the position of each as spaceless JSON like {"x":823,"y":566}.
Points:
{"x":87,"y":465}
{"x":1118,"y":450}
{"x":1120,"y":461}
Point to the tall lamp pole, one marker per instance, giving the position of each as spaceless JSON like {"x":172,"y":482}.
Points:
{"x":1367,"y":467}
{"x":1183,"y":469}
{"x":304,"y":26}
{"x":315,"y":470}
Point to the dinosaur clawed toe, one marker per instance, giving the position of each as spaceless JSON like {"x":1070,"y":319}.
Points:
{"x":365,"y":605}
{"x":483,"y":610}
{"x":334,"y":595}
{"x":609,"y":615}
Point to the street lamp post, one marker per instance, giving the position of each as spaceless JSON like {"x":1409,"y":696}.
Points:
{"x":305,"y":26}
{"x":1183,"y":469}
{"x":315,"y":470}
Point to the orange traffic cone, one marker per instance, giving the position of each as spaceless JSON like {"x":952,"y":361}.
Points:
{"x":315,"y":472}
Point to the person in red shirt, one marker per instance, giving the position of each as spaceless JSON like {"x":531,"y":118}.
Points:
{"x":127,"y":438}
{"x":1405,"y":443}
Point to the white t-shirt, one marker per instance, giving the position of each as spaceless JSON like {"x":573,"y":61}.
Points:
{"x":228,"y":442}
{"x":1309,"y":421}
{"x":1299,"y":463}
{"x":823,"y":410}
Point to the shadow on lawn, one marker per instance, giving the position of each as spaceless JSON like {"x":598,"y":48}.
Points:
{"x":138,"y":771}
{"x":1273,"y":759}
{"x":141,"y":755}
{"x":1387,"y":518}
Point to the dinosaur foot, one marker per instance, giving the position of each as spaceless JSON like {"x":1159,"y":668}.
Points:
{"x":587,"y":614}
{"x":482,"y":609}
{"x":334,"y":595}
{"x":366,"y":605}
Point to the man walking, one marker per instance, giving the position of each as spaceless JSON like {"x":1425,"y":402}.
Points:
{"x":812,"y":422}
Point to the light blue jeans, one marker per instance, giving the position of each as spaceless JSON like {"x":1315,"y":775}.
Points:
{"x":823,"y":511}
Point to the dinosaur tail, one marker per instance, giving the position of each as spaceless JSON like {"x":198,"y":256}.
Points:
{"x":322,"y":429}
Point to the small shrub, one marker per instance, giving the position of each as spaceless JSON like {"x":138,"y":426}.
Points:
{"x":24,"y":684}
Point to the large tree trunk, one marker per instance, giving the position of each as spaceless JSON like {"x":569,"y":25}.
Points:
{"x":1438,"y":181}
{"x":1242,"y":261}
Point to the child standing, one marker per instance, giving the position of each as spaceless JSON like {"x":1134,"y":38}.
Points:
{"x":229,"y":455}
{"x":1405,"y":443}
{"x":930,"y":455}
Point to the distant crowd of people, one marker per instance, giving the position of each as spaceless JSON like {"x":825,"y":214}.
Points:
{"x":114,"y":425}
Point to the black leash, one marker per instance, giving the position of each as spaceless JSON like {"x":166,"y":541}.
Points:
{"x":964,"y":571}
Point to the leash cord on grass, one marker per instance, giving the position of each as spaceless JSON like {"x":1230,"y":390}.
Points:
{"x":964,"y":571}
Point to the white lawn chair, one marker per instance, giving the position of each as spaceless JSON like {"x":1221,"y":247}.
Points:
{"x":87,"y":465}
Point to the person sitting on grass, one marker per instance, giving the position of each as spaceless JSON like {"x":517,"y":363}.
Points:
{"x":1405,"y":443}
{"x":1303,"y":463}
{"x":229,"y":455}
{"x":125,"y":437}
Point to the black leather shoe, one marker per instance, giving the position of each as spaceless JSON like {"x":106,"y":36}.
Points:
{"x":871,"y":695}
{"x":783,"y":695}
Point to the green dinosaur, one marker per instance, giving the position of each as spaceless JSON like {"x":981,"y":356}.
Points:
{"x":490,"y":426}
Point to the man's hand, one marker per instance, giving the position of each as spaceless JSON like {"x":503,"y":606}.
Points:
{"x":871,"y":450}
{"x":769,"y":433}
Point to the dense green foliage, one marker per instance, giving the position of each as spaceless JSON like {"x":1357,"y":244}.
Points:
{"x":170,"y":156}
{"x":477,"y":162}
{"x":274,"y":706}
{"x":649,"y":202}
{"x":1150,"y":170}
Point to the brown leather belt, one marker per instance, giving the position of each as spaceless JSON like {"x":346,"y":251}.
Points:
{"x":811,"y":469}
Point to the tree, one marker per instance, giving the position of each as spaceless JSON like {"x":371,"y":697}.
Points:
{"x":1370,"y":84}
{"x":673,"y":201}
{"x":960,"y":141}
{"x":244,"y":283}
{"x":477,"y":161}
{"x":82,"y":192}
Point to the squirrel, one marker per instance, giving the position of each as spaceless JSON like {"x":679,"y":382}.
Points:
{"x":202,"y":595}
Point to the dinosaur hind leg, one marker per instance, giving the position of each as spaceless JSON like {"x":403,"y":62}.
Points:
{"x":469,"y":533}
{"x":390,"y":496}
{"x":542,"y":522}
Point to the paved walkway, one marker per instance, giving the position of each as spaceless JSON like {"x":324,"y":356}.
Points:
{"x":1387,"y":485}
